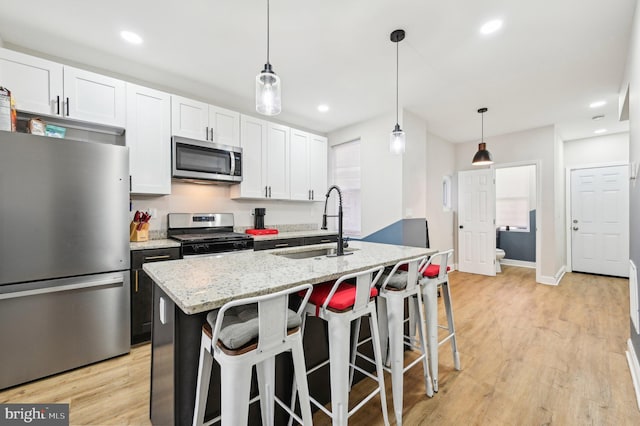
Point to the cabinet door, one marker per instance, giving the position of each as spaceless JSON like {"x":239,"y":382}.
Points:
{"x":317,"y":166}
{"x":141,"y":296}
{"x":189,"y":118}
{"x":93,"y":97}
{"x":36,"y":84}
{"x":253,"y":141}
{"x":299,"y":149}
{"x":277,"y":161}
{"x":148,"y":137}
{"x":224,"y":126}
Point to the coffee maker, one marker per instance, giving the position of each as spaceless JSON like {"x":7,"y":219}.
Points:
{"x":258,"y":217}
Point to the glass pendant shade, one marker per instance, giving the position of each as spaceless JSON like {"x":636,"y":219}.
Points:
{"x":268,"y":100}
{"x":397,"y":140}
{"x":482,"y":157}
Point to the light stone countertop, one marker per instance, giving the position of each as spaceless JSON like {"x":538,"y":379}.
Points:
{"x":205,"y":283}
{"x":295,"y":234}
{"x":154,"y":244}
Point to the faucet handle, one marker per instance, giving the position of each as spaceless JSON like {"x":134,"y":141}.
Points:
{"x":345,"y":242}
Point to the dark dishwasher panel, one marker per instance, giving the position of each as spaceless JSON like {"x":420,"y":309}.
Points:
{"x":141,"y":288}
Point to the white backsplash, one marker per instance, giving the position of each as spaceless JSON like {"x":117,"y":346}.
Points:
{"x":201,"y":198}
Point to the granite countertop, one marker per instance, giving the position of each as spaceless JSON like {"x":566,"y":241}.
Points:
{"x":205,"y":283}
{"x":153,"y":244}
{"x":294,"y":234}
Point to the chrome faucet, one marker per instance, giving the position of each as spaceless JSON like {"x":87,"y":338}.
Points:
{"x":340,"y":247}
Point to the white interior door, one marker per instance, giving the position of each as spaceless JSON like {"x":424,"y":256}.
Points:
{"x":476,"y":222}
{"x":600,"y":220}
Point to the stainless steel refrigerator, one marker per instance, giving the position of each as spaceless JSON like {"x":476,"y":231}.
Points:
{"x":64,"y":255}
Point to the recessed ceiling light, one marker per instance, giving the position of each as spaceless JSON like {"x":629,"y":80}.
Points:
{"x":597,"y":117}
{"x":323,"y":108}
{"x":600,"y":131}
{"x":597,"y":104}
{"x":131,"y":37}
{"x":491,"y":26}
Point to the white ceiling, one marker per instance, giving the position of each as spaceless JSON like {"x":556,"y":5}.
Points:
{"x":548,"y":62}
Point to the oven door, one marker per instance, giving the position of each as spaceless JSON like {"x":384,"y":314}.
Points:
{"x":198,"y":160}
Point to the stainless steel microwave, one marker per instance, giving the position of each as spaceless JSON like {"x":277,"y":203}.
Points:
{"x":208,"y":161}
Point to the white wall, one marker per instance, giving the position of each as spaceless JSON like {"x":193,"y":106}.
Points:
{"x":536,"y":144}
{"x":198,"y":198}
{"x":381,"y":171}
{"x":597,"y":150}
{"x":414,"y":167}
{"x":440,"y":162}
{"x":559,"y":207}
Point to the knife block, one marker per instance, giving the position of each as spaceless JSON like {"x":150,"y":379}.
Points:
{"x":138,"y":235}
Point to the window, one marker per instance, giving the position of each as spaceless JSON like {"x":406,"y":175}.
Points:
{"x":515,"y":197}
{"x":346,"y":174}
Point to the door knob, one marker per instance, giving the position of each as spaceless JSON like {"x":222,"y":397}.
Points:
{"x":575,"y":220}
{"x":461,"y":227}
{"x":575,"y":228}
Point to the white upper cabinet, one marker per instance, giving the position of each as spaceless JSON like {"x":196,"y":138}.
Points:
{"x":45,"y":87}
{"x":148,"y":136}
{"x":36,"y":84}
{"x":224,"y":126}
{"x":198,"y":120}
{"x":189,"y":118}
{"x":265,"y":160}
{"x":93,"y":97}
{"x":308,"y":166}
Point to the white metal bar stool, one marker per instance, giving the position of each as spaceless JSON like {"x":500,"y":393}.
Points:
{"x":339,"y":304}
{"x":436,"y":275}
{"x":246,"y":333}
{"x":399,"y":285}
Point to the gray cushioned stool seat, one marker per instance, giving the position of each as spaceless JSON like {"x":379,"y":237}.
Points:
{"x":240,"y":324}
{"x":398,"y":281}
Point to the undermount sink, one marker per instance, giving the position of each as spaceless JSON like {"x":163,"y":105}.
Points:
{"x":315,"y":252}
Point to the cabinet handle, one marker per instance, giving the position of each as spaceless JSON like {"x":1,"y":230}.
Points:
{"x":325,"y":241}
{"x":281,"y":245}
{"x":162,"y":256}
{"x":67,"y":107}
{"x":313,"y":195}
{"x":269,"y":192}
{"x":211,"y":134}
{"x":136,"y":288}
{"x":58,"y":105}
{"x":206,"y":133}
{"x":265,"y":192}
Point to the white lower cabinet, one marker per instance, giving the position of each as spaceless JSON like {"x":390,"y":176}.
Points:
{"x":148,"y":136}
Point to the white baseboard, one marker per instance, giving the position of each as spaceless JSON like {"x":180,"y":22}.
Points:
{"x":634,"y":367}
{"x":555,"y":280}
{"x":519,"y":263}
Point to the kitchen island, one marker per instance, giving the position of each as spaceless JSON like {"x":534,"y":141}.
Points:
{"x":185,"y":290}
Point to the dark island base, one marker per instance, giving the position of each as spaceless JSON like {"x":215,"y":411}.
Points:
{"x":174,"y":367}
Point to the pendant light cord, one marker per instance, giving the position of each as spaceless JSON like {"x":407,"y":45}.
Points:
{"x":267,"y":31}
{"x":482,"y":121}
{"x":397,"y":80}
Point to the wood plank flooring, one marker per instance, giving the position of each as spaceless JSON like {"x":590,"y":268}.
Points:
{"x":531,"y":354}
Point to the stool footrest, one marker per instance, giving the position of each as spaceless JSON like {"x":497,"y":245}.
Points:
{"x":445,"y":339}
{"x":317,"y":367}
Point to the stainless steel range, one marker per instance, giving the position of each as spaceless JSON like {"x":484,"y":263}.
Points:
{"x":207,"y":234}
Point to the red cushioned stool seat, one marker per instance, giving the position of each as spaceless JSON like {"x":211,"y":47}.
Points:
{"x":343,"y":298}
{"x":432,"y":271}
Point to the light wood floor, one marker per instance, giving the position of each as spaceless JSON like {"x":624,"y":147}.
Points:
{"x":531,"y":354}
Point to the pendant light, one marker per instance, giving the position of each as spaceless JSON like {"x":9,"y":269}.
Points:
{"x":482,"y":157}
{"x":397,"y":141}
{"x":268,"y":101}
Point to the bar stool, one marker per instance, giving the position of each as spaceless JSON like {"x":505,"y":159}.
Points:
{"x":246,"y":333}
{"x":339,"y":304}
{"x":434,"y":276}
{"x":399,"y":285}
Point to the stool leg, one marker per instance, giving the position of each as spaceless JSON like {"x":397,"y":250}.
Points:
{"x":204,"y":377}
{"x":300,"y":375}
{"x":450,"y":324}
{"x":339,"y":331}
{"x":430,"y":297}
{"x":373,"y":325}
{"x":266,"y":375}
{"x":396,"y":349}
{"x":414,"y":320}
{"x":355,"y":336}
{"x":234,"y":398}
{"x":428,"y":381}
{"x":383,"y":328}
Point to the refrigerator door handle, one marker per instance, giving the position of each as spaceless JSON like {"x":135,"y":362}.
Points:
{"x":92,"y":284}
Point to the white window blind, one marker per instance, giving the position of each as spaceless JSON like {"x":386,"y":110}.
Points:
{"x":346,"y":174}
{"x":514,"y":196}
